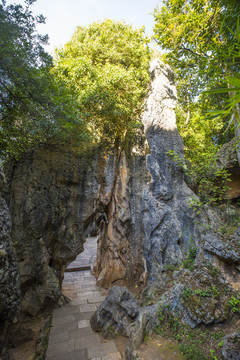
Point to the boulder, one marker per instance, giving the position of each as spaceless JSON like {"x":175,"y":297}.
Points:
{"x":116,"y":314}
{"x":231,"y":347}
{"x":119,"y":314}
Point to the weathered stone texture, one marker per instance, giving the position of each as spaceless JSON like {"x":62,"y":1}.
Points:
{"x":55,"y":196}
{"x":228,"y":159}
{"x":231,"y":347}
{"x":120,"y":253}
{"x":167,"y":217}
{"x":171,"y":228}
{"x":140,"y":204}
{"x":10,"y":296}
{"x":50,"y":196}
{"x":115,"y":315}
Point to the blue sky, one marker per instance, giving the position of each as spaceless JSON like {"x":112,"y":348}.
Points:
{"x":62,"y":16}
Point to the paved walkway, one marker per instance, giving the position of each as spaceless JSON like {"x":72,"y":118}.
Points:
{"x":71,"y":337}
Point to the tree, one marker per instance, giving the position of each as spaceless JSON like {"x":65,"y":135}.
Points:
{"x":34,"y":106}
{"x":200,"y":39}
{"x":107,"y":66}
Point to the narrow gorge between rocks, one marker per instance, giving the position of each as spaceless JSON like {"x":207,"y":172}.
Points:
{"x":138,"y":202}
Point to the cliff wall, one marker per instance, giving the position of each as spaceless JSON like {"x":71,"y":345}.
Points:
{"x":10,"y":295}
{"x":138,"y":198}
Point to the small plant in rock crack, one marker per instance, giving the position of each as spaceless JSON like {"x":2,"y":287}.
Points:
{"x":146,"y":337}
{"x":210,"y":183}
{"x":171,"y":267}
{"x":234,"y":303}
{"x":212,"y":292}
{"x":186,"y":294}
{"x":161,"y":315}
{"x":160,"y":328}
{"x":110,"y":332}
{"x":215,"y":292}
{"x":189,"y":262}
{"x":148,"y":299}
{"x":203,"y":293}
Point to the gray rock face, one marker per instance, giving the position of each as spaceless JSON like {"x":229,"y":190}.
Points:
{"x":9,"y":279}
{"x":116,"y":314}
{"x":50,"y":197}
{"x":231,"y":347}
{"x":198,"y":298}
{"x":171,"y":228}
{"x":119,"y":314}
{"x":167,"y":217}
{"x":227,"y":156}
{"x":228,"y":159}
{"x":10,"y":295}
{"x":54,"y":196}
{"x":228,"y":250}
{"x":120,"y":253}
{"x":236,"y":235}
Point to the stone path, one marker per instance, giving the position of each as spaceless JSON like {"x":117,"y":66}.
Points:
{"x":71,"y":337}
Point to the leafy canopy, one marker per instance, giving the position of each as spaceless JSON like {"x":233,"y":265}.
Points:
{"x":34,"y":106}
{"x":201,"y":39}
{"x":106,"y":64}
{"x":203,"y":48}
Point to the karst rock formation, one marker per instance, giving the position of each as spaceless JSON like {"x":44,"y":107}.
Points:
{"x":137,"y":198}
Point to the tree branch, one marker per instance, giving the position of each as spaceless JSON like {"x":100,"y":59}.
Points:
{"x":183,"y":48}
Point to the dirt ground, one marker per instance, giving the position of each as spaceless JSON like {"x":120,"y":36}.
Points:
{"x":158,"y":348}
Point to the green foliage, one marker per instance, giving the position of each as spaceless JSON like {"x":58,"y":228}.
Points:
{"x":212,"y":292}
{"x":171,"y":267}
{"x":234,"y":303}
{"x":199,"y":37}
{"x":146,"y":337}
{"x":189,"y":262}
{"x":202,"y":43}
{"x":192,"y":352}
{"x":161,"y":310}
{"x":230,"y":219}
{"x":215,"y":292}
{"x":191,"y":341}
{"x":202,"y":292}
{"x":186,"y":294}
{"x":212,"y":352}
{"x":107,"y":66}
{"x":34,"y":106}
{"x":231,"y":83}
{"x":93,"y":94}
{"x":209,"y":182}
{"x":110,"y":332}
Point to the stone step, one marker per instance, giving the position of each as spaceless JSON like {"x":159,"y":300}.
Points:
{"x":78,"y":268}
